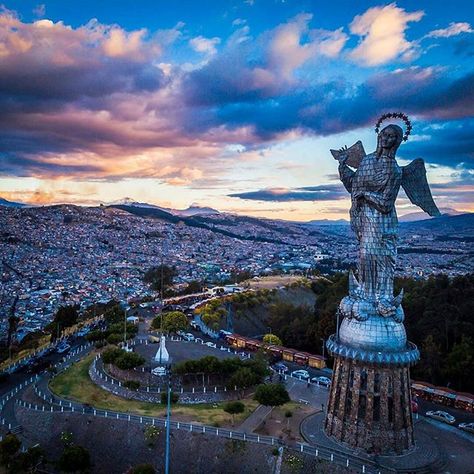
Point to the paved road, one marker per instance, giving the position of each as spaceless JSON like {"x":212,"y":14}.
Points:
{"x":22,"y":374}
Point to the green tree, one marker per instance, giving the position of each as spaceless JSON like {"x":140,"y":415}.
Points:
{"x":272,"y":395}
{"x":151,"y":433}
{"x":174,"y":321}
{"x":74,"y":458}
{"x":132,"y":384}
{"x":114,"y":313}
{"x":143,"y":469}
{"x":194,"y":286}
{"x":234,"y":408}
{"x":66,"y":316}
{"x":111,"y":354}
{"x":9,"y":447}
{"x":243,"y":378}
{"x":460,"y":361}
{"x":66,"y":438}
{"x":431,"y":358}
{"x":28,"y":461}
{"x":272,"y":339}
{"x":164,"y":398}
{"x":155,"y":275}
{"x":129,"y":360}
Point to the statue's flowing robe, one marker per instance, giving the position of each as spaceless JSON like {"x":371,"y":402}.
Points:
{"x":374,"y":220}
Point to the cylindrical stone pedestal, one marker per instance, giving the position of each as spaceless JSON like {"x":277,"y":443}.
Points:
{"x":370,"y":406}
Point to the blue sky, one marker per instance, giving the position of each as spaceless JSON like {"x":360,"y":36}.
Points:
{"x":233,"y":104}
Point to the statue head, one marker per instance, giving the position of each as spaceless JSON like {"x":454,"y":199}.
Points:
{"x":389,"y":139}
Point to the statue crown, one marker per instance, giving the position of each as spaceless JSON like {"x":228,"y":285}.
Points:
{"x":397,"y":115}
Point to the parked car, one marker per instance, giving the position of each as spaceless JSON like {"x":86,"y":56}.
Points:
{"x":280,"y":367}
{"x":211,"y":344}
{"x":83,"y":331}
{"x":181,"y":333}
{"x":188,"y":337}
{"x":467,"y":427}
{"x":63,"y":347}
{"x":300,"y":374}
{"x":324,"y":381}
{"x":441,"y":416}
{"x":414,"y":406}
{"x":198,"y":339}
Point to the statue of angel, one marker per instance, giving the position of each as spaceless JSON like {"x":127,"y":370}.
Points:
{"x":374,"y":186}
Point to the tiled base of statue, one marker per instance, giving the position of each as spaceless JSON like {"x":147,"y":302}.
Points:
{"x":370,"y":406}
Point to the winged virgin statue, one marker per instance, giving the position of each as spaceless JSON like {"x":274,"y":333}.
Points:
{"x":373,"y":182}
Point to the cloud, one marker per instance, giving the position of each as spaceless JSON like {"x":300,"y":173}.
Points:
{"x":382,"y":33}
{"x":203,"y":45}
{"x":239,"y":22}
{"x":451,"y":144}
{"x":328,"y":192}
{"x":40,"y":10}
{"x":453,"y":29}
{"x":265,"y":67}
{"x":99,"y":102}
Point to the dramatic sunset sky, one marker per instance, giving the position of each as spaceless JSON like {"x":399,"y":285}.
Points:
{"x":230,"y":104}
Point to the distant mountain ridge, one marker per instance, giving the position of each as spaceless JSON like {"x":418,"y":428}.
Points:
{"x":5,"y":202}
{"x":193,"y":210}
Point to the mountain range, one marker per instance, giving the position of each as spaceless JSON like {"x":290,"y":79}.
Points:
{"x":196,"y":210}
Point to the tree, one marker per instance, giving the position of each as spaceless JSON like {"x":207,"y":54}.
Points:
{"x":111,"y":354}
{"x":65,"y":317}
{"x":164,"y":398}
{"x":460,"y":362}
{"x":9,"y":447}
{"x":272,"y":395}
{"x":143,"y":469}
{"x":174,"y":321}
{"x":28,"y":461}
{"x":155,"y":275}
{"x":74,"y":458}
{"x":129,"y":360}
{"x":243,"y":378}
{"x":234,"y":408}
{"x":272,"y":339}
{"x":151,"y":433}
{"x":194,"y":286}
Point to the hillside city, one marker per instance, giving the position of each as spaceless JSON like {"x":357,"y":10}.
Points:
{"x":57,"y":255}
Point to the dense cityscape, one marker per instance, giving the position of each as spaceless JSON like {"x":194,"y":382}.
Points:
{"x":58,"y":255}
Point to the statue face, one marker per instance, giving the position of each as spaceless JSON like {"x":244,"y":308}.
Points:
{"x":388,"y":138}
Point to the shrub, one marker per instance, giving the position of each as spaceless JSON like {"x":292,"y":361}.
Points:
{"x":74,"y":458}
{"x":9,"y":446}
{"x":114,"y":338}
{"x":143,"y":469}
{"x":132,"y":384}
{"x":151,"y":433}
{"x":164,"y":398}
{"x":110,"y":355}
{"x":129,"y":360}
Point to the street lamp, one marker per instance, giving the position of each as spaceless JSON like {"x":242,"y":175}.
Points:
{"x":168,"y":419}
{"x":324,"y":341}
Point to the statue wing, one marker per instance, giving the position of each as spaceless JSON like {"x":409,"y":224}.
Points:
{"x":416,"y":186}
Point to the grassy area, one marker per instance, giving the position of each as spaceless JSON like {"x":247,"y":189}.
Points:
{"x":75,"y":384}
